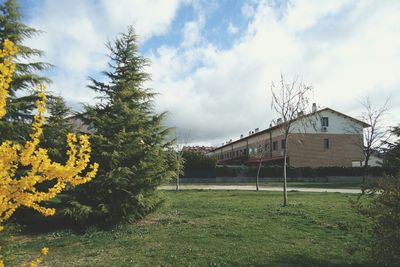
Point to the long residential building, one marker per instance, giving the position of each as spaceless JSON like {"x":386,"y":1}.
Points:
{"x":322,"y":138}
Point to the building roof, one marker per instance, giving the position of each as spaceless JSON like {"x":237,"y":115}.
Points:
{"x":198,"y":149}
{"x":278,"y":125}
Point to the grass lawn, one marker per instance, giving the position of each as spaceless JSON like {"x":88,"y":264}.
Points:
{"x":213,"y":228}
{"x":335,"y":185}
{"x":344,"y":185}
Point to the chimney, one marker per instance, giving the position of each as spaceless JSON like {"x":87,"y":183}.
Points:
{"x":249,"y":132}
{"x":256,"y":130}
{"x":241,"y":136}
{"x":299,"y":114}
{"x":314,"y":107}
{"x":279,"y":121}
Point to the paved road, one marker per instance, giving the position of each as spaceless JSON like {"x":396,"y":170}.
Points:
{"x":262,"y":188}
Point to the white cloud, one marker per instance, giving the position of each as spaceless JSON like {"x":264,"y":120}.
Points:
{"x":192,"y":32}
{"x":346,"y":50}
{"x":248,"y":8}
{"x":232,"y":29}
{"x":150,"y":17}
{"x":76,"y":33}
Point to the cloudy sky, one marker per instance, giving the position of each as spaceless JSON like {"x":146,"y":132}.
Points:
{"x":213,"y":61}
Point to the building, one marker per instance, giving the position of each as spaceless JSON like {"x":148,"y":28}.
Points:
{"x":198,"y":149}
{"x":322,"y":138}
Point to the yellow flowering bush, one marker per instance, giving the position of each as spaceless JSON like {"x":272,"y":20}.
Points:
{"x":20,"y":190}
{"x":7,"y":68}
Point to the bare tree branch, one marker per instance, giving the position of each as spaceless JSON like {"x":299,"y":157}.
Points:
{"x":289,"y":101}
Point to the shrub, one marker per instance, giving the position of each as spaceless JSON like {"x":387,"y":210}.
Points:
{"x":303,"y":172}
{"x":381,"y":203}
{"x":198,"y":165}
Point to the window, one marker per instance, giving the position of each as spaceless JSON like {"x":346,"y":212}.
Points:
{"x":324,"y":121}
{"x":326,"y":143}
{"x":275,"y":145}
{"x":283,"y":143}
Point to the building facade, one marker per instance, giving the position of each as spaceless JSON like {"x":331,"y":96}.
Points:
{"x":320,"y":139}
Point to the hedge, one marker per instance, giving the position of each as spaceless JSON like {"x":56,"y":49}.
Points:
{"x":277,"y":171}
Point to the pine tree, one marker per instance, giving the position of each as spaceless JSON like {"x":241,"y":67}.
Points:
{"x":392,"y":152}
{"x":15,"y":125}
{"x":129,"y":142}
{"x":56,"y":129}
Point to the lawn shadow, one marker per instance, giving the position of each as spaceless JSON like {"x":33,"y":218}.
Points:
{"x":306,"y":260}
{"x":296,"y":260}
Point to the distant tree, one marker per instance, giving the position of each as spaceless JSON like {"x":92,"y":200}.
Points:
{"x":21,"y":101}
{"x":129,"y":142}
{"x":259,"y":152}
{"x":288,"y":101}
{"x":375,"y":135}
{"x":197,"y":162}
{"x":392,"y":152}
{"x":181,"y":140}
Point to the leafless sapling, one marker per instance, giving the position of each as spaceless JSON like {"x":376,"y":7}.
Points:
{"x":376,"y":134}
{"x":181,"y":140}
{"x":289,"y":99}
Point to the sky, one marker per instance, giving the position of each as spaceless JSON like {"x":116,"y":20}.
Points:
{"x":213,"y":62}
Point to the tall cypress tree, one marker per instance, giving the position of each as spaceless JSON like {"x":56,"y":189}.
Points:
{"x":129,"y":141}
{"x":21,"y":101}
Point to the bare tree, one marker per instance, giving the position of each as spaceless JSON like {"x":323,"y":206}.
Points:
{"x":259,"y":152}
{"x":289,"y":100}
{"x":181,"y":140}
{"x":376,"y":134}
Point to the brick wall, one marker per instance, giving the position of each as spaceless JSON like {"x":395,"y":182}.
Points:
{"x":307,"y":150}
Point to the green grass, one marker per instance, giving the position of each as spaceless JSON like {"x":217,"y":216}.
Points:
{"x":335,"y":185}
{"x":213,"y":228}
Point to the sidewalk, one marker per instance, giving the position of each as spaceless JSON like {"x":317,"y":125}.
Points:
{"x":261,"y":188}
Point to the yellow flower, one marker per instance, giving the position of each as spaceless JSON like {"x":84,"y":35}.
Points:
{"x":45,"y":251}
{"x":17,"y":191}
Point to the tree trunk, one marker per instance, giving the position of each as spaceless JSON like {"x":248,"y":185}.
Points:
{"x":285,"y":196}
{"x":258,"y":175}
{"x":365,"y":168}
{"x":177,"y":177}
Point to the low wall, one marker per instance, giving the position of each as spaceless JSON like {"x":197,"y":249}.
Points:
{"x":327,"y":179}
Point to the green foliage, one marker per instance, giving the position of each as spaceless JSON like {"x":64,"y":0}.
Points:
{"x":56,"y":129}
{"x":392,"y":155}
{"x":381,"y":203}
{"x":301,"y":172}
{"x":129,"y":141}
{"x":225,"y":171}
{"x":198,"y":165}
{"x":16,"y":124}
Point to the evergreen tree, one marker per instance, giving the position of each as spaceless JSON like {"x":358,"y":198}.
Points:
{"x":15,"y":125}
{"x":392,"y":154}
{"x":129,"y":142}
{"x":56,"y":129}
